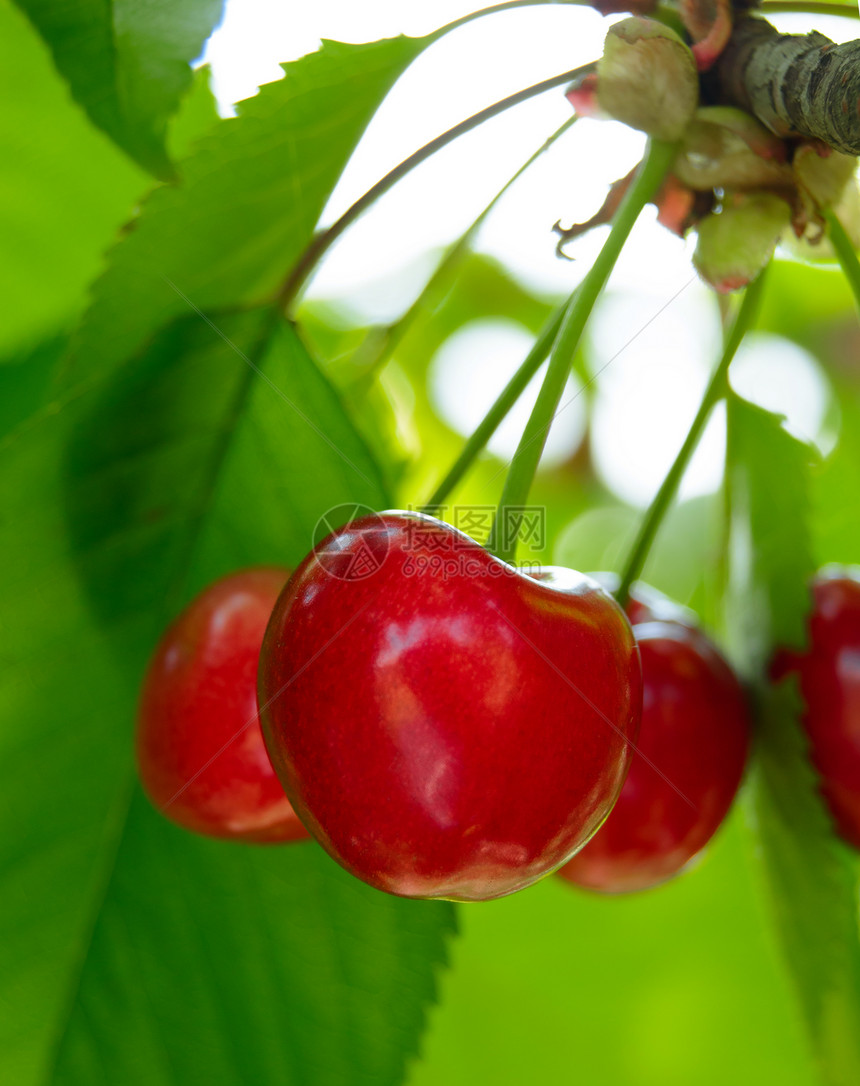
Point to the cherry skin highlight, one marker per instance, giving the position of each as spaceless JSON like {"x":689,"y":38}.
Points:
{"x":646,"y":604}
{"x":446,"y":726}
{"x":200,"y":751}
{"x":829,"y":675}
{"x":690,"y":757}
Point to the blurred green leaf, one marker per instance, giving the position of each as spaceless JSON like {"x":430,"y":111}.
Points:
{"x":483,"y":290}
{"x":802,"y":299}
{"x":771,"y":559}
{"x":216,"y":963}
{"x":836,"y":520}
{"x":814,"y":306}
{"x":197,"y":114}
{"x":128,"y":63}
{"x":837,"y":523}
{"x":252,"y":192}
{"x":65,"y":191}
{"x":217,"y":413}
{"x":130,"y":952}
{"x":25,"y":380}
{"x":812,"y":882}
{"x":677,"y":986}
{"x":813,"y":886}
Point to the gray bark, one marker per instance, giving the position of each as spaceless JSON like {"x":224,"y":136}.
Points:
{"x":795,"y":84}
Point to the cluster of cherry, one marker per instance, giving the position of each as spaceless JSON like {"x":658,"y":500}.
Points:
{"x":460,"y":735}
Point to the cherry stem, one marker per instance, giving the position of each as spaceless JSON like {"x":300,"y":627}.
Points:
{"x":323,"y":241}
{"x":810,"y":7}
{"x":385,"y":340}
{"x":716,"y":391}
{"x":503,"y":404}
{"x":648,"y":178}
{"x":845,"y":254}
{"x":664,"y":13}
{"x":494,"y":9}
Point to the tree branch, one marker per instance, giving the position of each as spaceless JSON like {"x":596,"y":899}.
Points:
{"x":795,"y":84}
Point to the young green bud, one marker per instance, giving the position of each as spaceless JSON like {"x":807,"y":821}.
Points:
{"x":823,"y":174}
{"x":726,"y":148}
{"x":735,"y":245}
{"x":647,"y":78}
{"x":747,"y":128}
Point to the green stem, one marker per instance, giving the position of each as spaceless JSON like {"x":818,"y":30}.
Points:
{"x":664,"y":13}
{"x":503,"y":404}
{"x":845,"y":254}
{"x":810,"y":7}
{"x":716,"y":391}
{"x":323,"y":241}
{"x":389,"y":338}
{"x":494,"y":9}
{"x":649,"y":176}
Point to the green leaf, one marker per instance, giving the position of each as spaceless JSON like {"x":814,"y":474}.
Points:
{"x":811,"y":879}
{"x":198,"y":113}
{"x":25,"y":380}
{"x":128,"y":63}
{"x":130,"y":952}
{"x":771,"y":555}
{"x":251,"y":195}
{"x":65,"y":191}
{"x":216,"y":963}
{"x":813,"y":886}
{"x":836,"y":522}
{"x":217,"y":413}
{"x":193,"y":435}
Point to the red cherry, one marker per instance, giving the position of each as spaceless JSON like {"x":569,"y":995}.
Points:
{"x":646,"y":604}
{"x":690,"y":758}
{"x":829,"y":673}
{"x":200,"y":750}
{"x":446,"y":726}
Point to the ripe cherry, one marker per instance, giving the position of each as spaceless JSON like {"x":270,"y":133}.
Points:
{"x":200,"y":751}
{"x":447,"y":726}
{"x":829,"y":674}
{"x":690,"y":756}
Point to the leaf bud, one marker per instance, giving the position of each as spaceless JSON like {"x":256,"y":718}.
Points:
{"x":647,"y":78}
{"x":736,"y":243}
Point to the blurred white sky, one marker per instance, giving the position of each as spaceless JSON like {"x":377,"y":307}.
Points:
{"x":653,"y":374}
